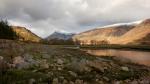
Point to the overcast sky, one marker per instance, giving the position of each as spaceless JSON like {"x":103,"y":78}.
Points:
{"x":46,"y":16}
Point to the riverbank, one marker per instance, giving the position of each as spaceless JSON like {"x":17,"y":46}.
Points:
{"x":28,"y":63}
{"x":116,"y":46}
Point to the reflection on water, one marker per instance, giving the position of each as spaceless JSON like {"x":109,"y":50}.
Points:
{"x":141,"y":57}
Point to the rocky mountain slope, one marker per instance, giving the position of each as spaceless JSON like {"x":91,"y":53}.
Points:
{"x":25,"y":34}
{"x":60,"y":36}
{"x":123,"y":34}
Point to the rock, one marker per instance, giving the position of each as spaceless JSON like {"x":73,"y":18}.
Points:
{"x":80,"y":66}
{"x":61,"y":77}
{"x":1,"y":58}
{"x":18,"y":60}
{"x":96,"y":79}
{"x":59,"y":61}
{"x":65,"y":82}
{"x":79,"y":81}
{"x":72,"y":73}
{"x":105,"y":78}
{"x":125,"y":68}
{"x":59,"y":68}
{"x":71,"y":82}
{"x":45,"y":56}
{"x":44,"y":64}
{"x":32,"y":81}
{"x":100,"y":82}
{"x":96,"y":65}
{"x":55,"y":81}
{"x":117,"y":82}
{"x":134,"y":82}
{"x":28,"y":57}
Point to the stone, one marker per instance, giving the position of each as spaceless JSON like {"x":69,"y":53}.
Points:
{"x":61,"y":77}
{"x":59,"y":68}
{"x":44,"y":64}
{"x":59,"y":61}
{"x":105,"y":78}
{"x":100,"y":82}
{"x":117,"y":82}
{"x":65,"y":82}
{"x":55,"y":81}
{"x":45,"y":56}
{"x":134,"y":82}
{"x":18,"y":60}
{"x":125,"y":68}
{"x":72,"y":73}
{"x":32,"y":81}
{"x":1,"y":58}
{"x":19,"y":63}
{"x":71,"y":82}
{"x":78,"y":81}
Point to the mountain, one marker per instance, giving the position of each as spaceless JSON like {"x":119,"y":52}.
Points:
{"x":140,"y":34}
{"x":103,"y":35}
{"x":60,"y":36}
{"x":136,"y":33}
{"x":25,"y":34}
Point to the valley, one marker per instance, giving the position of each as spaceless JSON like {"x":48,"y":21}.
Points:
{"x":111,"y":55}
{"x":74,"y":42}
{"x":24,"y":63}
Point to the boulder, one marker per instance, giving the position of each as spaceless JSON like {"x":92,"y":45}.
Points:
{"x":125,"y":68}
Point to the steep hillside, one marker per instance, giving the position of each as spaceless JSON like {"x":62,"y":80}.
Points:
{"x":138,"y":35}
{"x":100,"y":35}
{"x":25,"y":34}
{"x":124,"y":34}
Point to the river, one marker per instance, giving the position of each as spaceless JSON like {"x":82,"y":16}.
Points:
{"x":139,"y":57}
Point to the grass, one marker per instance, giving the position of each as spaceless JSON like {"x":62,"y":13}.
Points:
{"x":15,"y":76}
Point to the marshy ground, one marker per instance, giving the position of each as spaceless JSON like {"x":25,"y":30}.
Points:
{"x":31,"y":63}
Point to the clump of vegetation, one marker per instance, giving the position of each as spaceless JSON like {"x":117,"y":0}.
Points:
{"x":6,"y":32}
{"x":21,"y":77}
{"x":58,"y":42}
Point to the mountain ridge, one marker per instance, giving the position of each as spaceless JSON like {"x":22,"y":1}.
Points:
{"x":122,"y":34}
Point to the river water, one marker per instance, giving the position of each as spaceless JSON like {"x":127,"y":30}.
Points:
{"x":140,"y":57}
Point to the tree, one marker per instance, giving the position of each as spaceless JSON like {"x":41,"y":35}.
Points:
{"x":6,"y":32}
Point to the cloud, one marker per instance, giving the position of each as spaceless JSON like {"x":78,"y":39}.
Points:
{"x":46,"y":16}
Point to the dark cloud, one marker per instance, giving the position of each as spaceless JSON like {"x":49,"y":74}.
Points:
{"x":45,"y":16}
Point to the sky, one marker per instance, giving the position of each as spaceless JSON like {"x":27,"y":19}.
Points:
{"x":43,"y":17}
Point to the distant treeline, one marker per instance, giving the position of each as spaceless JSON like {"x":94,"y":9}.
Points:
{"x":6,"y":32}
{"x":59,"y":42}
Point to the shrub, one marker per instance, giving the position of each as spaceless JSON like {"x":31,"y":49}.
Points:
{"x":6,"y":32}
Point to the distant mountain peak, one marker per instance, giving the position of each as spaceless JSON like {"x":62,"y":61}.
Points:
{"x":62,"y":32}
{"x":60,"y":35}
